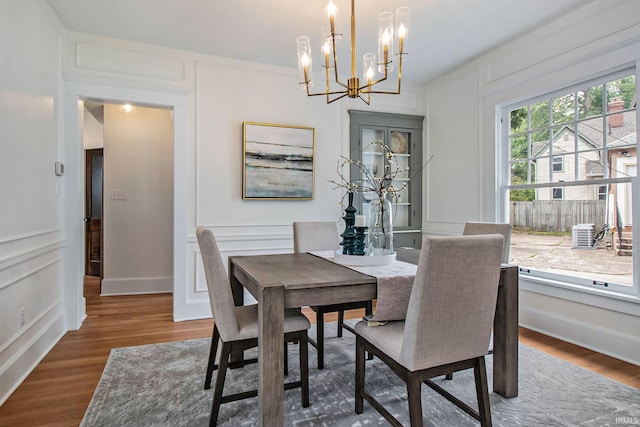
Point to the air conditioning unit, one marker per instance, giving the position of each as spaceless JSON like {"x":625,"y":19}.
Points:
{"x":582,"y":235}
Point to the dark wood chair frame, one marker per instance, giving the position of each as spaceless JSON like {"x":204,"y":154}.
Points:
{"x":320,"y":311}
{"x":228,"y":348}
{"x":414,"y":379}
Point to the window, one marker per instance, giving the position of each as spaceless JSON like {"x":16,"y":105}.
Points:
{"x":602,"y":192}
{"x":557,"y":193}
{"x":572,"y":155}
{"x":557,"y":164}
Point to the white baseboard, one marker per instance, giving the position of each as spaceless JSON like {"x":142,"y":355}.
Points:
{"x":597,"y":338}
{"x":137,"y":285}
{"x":23,"y":354}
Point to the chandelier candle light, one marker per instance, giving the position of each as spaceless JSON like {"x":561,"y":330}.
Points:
{"x":353,"y":88}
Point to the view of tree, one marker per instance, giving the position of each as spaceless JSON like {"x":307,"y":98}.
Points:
{"x":526,"y":120}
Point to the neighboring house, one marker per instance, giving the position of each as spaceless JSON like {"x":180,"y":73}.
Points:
{"x":563,"y":165}
{"x":588,"y":144}
{"x":583,"y":153}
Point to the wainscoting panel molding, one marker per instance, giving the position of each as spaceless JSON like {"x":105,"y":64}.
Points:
{"x":23,"y":353}
{"x":235,"y":240}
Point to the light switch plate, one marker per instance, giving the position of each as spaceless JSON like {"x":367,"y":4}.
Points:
{"x":118,"y":195}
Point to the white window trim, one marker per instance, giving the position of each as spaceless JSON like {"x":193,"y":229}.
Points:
{"x":563,"y":289}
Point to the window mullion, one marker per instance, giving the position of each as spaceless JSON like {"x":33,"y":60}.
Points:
{"x":576,"y":158}
{"x":605,"y":156}
{"x":529,"y":148}
{"x":550,"y":137}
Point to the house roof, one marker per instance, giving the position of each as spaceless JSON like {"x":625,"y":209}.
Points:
{"x":590,"y":132}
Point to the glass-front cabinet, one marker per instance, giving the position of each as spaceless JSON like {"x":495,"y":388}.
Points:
{"x":390,"y":145}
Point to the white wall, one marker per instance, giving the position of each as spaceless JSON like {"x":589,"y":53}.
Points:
{"x":92,"y":131}
{"x":31,"y":243}
{"x":221,"y":94}
{"x":137,"y":230}
{"x":600,"y":37}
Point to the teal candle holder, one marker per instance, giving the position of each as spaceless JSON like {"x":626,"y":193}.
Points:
{"x":360,"y":240}
{"x":349,"y":234}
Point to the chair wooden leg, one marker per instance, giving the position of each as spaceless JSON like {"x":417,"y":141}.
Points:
{"x":304,"y":368}
{"x":286,"y":358}
{"x":448,"y":376}
{"x":217,"y":394}
{"x":340,"y":322}
{"x":415,"y":400}
{"x":320,"y":338}
{"x":482,"y":391}
{"x":212,"y":357}
{"x":368,"y":310}
{"x":360,"y":367}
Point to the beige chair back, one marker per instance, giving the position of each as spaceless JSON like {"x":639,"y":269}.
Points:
{"x":220,"y":296}
{"x":475,"y":228}
{"x":315,"y":236}
{"x":452,"y":301}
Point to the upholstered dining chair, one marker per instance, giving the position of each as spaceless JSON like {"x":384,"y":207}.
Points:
{"x":472,"y":228}
{"x":323,"y":236}
{"x":447,"y":327}
{"x":237,"y":328}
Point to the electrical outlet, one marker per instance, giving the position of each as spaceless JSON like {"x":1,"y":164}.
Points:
{"x":22,"y":318}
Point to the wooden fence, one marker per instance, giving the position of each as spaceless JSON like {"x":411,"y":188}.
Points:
{"x":557,"y":215}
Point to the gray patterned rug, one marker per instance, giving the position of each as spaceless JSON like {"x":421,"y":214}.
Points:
{"x":162,"y":385}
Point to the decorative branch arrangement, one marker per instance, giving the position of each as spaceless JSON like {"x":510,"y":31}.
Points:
{"x":383,"y":185}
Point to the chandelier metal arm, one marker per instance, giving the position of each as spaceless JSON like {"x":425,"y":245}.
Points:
{"x":335,"y":92}
{"x":388,"y":92}
{"x":371,"y":84}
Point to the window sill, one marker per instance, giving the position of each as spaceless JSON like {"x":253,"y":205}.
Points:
{"x":615,"y":301}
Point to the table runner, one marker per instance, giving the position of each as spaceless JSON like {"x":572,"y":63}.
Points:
{"x":394,"y":286}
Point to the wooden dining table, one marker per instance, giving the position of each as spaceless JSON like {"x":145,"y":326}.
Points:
{"x":296,"y":280}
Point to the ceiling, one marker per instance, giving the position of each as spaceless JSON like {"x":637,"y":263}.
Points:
{"x":443,"y":34}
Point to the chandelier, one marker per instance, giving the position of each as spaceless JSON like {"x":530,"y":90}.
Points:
{"x":353,"y":87}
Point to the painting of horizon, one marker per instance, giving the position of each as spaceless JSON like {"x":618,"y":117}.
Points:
{"x":278,"y":162}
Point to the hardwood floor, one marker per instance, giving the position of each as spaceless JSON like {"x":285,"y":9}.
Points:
{"x":59,"y":389}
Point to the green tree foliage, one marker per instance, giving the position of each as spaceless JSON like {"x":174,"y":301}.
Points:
{"x":529,"y":125}
{"x":526,"y":195}
{"x":626,"y":88}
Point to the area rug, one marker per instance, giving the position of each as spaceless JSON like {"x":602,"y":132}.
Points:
{"x":162,"y":385}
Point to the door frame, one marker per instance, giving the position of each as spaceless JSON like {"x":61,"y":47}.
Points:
{"x":76,"y":89}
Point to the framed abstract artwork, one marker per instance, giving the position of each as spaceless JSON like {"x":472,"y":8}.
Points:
{"x":278,"y":162}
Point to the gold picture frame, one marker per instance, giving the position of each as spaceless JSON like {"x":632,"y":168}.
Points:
{"x":278,"y":161}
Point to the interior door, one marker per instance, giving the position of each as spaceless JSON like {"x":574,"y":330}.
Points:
{"x":93,"y":212}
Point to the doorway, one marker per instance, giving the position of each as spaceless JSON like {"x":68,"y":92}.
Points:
{"x":128,"y":197}
{"x":93,"y":212}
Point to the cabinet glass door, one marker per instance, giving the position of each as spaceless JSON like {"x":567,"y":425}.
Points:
{"x":372,"y":155}
{"x":400,"y":148}
{"x":386,"y":154}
